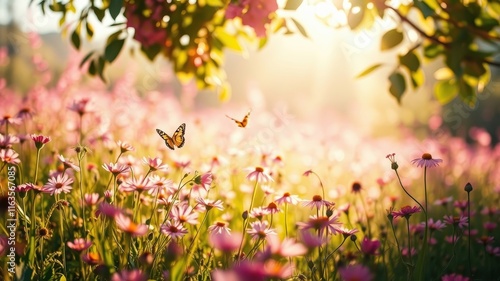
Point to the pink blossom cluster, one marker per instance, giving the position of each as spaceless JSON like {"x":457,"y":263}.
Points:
{"x":254,"y":13}
{"x":146,"y":18}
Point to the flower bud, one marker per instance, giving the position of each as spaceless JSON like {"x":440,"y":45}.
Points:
{"x":394,"y":166}
{"x":468,"y":187}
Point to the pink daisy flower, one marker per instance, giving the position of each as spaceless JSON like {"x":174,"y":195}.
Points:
{"x":461,"y":221}
{"x":7,"y":119}
{"x":81,"y":106}
{"x":426,"y":161}
{"x":406,"y":212}
{"x":434,"y":225}
{"x":258,"y":213}
{"x":272,"y":208}
{"x":347,"y":232}
{"x":286,"y":248}
{"x":108,"y":210}
{"x":9,"y":156}
{"x":259,"y":175}
{"x":136,"y":184}
{"x":287,"y":198}
{"x":40,"y":140}
{"x":209,"y":204}
{"x":116,"y":168}
{"x":260,"y":230}
{"x":8,"y":140}
{"x":311,"y":240}
{"x":68,"y":164}
{"x":328,"y":225}
{"x":129,"y":275}
{"x":58,"y":184}
{"x":79,"y":244}
{"x":184,"y":213}
{"x":318,"y":202}
{"x":356,"y":272}
{"x":174,"y":229}
{"x":204,"y":180}
{"x":124,"y":146}
{"x":370,"y":246}
{"x":224,"y":241}
{"x":219,"y":227}
{"x":454,"y":277}
{"x":161,"y":185}
{"x":90,"y":199}
{"x":154,"y":164}
{"x":125,"y":224}
{"x":92,"y":258}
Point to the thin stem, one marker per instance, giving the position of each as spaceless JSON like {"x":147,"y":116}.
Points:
{"x":413,"y":198}
{"x":468,"y":236}
{"x":245,"y":224}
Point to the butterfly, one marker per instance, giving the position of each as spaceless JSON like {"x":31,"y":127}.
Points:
{"x":177,"y":138}
{"x":243,"y":123}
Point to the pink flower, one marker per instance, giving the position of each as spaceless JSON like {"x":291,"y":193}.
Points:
{"x":219,"y":227}
{"x":287,"y":198}
{"x":225,"y":241}
{"x":7,"y":119}
{"x":426,"y":161}
{"x":370,"y":247}
{"x":136,"y":184}
{"x":434,"y":225}
{"x":272,"y":208}
{"x":25,"y":187}
{"x":125,"y":224}
{"x":243,"y":271}
{"x":312,"y":240}
{"x":40,"y":140}
{"x":129,"y":275}
{"x":347,"y":232}
{"x":318,"y":202}
{"x":209,"y":204}
{"x":79,"y":244}
{"x":406,"y":212}
{"x":461,"y":221}
{"x":184,"y":213}
{"x":258,"y":213}
{"x":92,"y":258}
{"x":4,"y":245}
{"x":173,"y":229}
{"x":204,"y":180}
{"x":108,"y":210}
{"x":286,"y":248}
{"x":116,"y":168}
{"x":355,"y":272}
{"x":155,"y":164}
{"x":125,"y":147}
{"x":325,"y":225}
{"x":58,"y":184}
{"x":90,"y":199}
{"x":254,"y":13}
{"x":454,"y":277}
{"x":81,"y":106}
{"x":68,"y":164}
{"x":9,"y":156}
{"x":443,"y":201}
{"x":259,"y":175}
{"x":260,"y":230}
{"x":8,"y":140}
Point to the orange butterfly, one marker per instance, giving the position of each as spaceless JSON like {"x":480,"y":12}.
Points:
{"x":177,"y":138}
{"x":243,"y":123}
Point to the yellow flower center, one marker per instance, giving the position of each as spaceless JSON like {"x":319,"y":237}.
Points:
{"x":426,"y":156}
{"x":259,"y":169}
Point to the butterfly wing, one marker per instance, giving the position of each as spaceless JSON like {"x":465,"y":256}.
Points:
{"x":178,"y":137}
{"x":168,"y":140}
{"x":243,"y":123}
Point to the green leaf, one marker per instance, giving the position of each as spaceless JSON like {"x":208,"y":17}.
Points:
{"x":466,"y":93}
{"x":92,"y":69}
{"x":98,"y":13}
{"x":391,"y":39}
{"x":86,"y":58}
{"x":417,"y":78}
{"x":398,"y":85}
{"x":410,"y":60}
{"x":369,"y":70}
{"x":113,"y":49}
{"x":432,"y":51}
{"x":424,"y":8}
{"x":453,"y":58}
{"x":293,"y":4}
{"x":445,"y":91}
{"x":115,"y":7}
{"x":229,"y":41}
{"x":474,"y":68}
{"x":75,"y":39}
{"x":90,"y":30}
{"x":152,"y":51}
{"x":300,"y":28}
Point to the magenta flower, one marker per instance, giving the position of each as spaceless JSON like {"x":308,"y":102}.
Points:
{"x":125,"y":224}
{"x":356,"y":272}
{"x":204,"y":180}
{"x":173,"y":229}
{"x":312,"y":240}
{"x":90,"y":199}
{"x":9,"y":156}
{"x":108,"y":210}
{"x":58,"y":184}
{"x":79,"y":244}
{"x":129,"y":275}
{"x":136,"y":184}
{"x":254,"y":13}
{"x":209,"y":204}
{"x":370,"y":247}
{"x":25,"y":187}
{"x":259,"y":175}
{"x":406,"y":212}
{"x":225,"y":241}
{"x":426,"y":161}
{"x":325,"y":225}
{"x":286,"y":248}
{"x":81,"y":106}
{"x":461,"y":221}
{"x":260,"y":230}
{"x":454,"y":277}
{"x":40,"y":140}
{"x":434,"y":225}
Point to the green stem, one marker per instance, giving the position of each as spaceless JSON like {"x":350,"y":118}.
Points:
{"x":245,"y":224}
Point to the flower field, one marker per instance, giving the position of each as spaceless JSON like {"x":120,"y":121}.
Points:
{"x":95,"y":193}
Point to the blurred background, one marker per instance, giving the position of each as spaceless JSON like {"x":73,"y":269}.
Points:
{"x":312,"y":77}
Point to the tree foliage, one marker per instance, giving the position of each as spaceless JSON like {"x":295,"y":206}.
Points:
{"x":193,"y":35}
